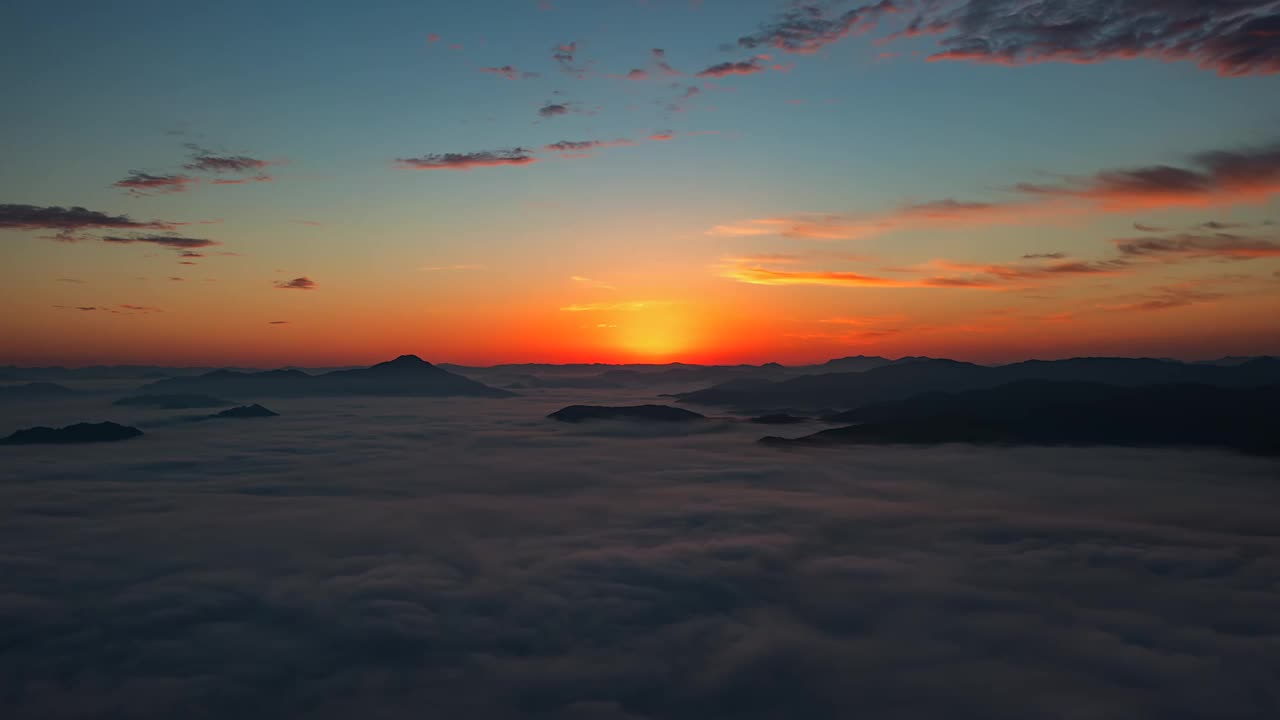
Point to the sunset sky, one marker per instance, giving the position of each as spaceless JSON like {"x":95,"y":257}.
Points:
{"x":323,"y":182}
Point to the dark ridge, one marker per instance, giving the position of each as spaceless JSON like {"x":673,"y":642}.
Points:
{"x":78,"y":433}
{"x":652,"y":413}
{"x":1069,"y":413}
{"x":245,"y":411}
{"x":906,"y":378}
{"x":35,"y":391}
{"x":173,"y":402}
{"x":777,"y":419}
{"x":407,"y":375}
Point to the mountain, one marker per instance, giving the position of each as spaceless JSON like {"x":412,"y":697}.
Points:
{"x":407,"y":375}
{"x":173,"y":402}
{"x":35,"y":391}
{"x":78,"y":433}
{"x":1042,"y":412}
{"x":904,"y":379}
{"x":654,"y":413}
{"x":777,"y":419}
{"x":245,"y":411}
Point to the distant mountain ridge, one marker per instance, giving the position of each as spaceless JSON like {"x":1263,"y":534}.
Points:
{"x":1041,"y":412}
{"x":407,"y":375}
{"x":902,"y":380}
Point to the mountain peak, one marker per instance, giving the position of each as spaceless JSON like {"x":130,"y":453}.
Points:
{"x":404,"y":362}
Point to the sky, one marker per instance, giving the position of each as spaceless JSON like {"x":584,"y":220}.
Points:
{"x":325,"y":183}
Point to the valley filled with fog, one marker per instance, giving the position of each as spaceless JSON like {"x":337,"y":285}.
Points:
{"x":468,"y":557}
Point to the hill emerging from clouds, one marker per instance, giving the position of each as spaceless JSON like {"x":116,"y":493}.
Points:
{"x":407,"y":375}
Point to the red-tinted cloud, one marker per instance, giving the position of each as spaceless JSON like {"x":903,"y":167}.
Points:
{"x":1213,"y":178}
{"x":725,"y":69}
{"x":467,"y":161}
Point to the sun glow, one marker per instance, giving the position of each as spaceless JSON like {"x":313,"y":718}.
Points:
{"x":655,"y":335}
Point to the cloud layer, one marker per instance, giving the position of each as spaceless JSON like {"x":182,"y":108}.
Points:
{"x":482,"y":562}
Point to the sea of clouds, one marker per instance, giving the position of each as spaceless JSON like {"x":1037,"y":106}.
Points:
{"x":463,"y":558}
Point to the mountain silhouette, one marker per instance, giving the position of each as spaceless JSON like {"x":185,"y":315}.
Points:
{"x":407,"y":375}
{"x":901,"y":380}
{"x":245,"y":411}
{"x":173,"y":402}
{"x":776,"y":419}
{"x":654,"y":413}
{"x":1076,"y":413}
{"x":35,"y":391}
{"x":78,"y":433}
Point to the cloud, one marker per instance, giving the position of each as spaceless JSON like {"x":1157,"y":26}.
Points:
{"x":374,"y":557}
{"x":510,"y":73}
{"x":638,"y":74}
{"x":958,"y":275}
{"x":662,"y":135}
{"x":143,"y":309}
{"x":1142,"y":227}
{"x":809,"y":28}
{"x":203,"y":160}
{"x":300,"y":283}
{"x":242,"y":181}
{"x":1169,"y":297}
{"x":948,"y":213}
{"x":765,"y":276}
{"x":1044,"y":256}
{"x":563,"y":54}
{"x":141,"y":184}
{"x":588,"y":282}
{"x":467,"y":161}
{"x":1233,"y":38}
{"x":442,"y":268}
{"x":553,"y":109}
{"x":176,"y":242}
{"x":70,"y":219}
{"x":1192,"y":246}
{"x":278,"y":322}
{"x":660,"y":60}
{"x":725,"y":69}
{"x":581,"y":148}
{"x":630,"y":306}
{"x":1220,"y":177}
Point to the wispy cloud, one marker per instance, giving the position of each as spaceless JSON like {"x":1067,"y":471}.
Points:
{"x":725,"y":69}
{"x":509,"y":72}
{"x":445,"y":268}
{"x":300,"y":283}
{"x":142,"y":184}
{"x":810,"y":27}
{"x":631,"y":306}
{"x":467,"y":161}
{"x":205,"y":160}
{"x":1190,"y":245}
{"x":588,"y":282}
{"x":176,"y":242}
{"x":1232,"y":38}
{"x":71,"y":219}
